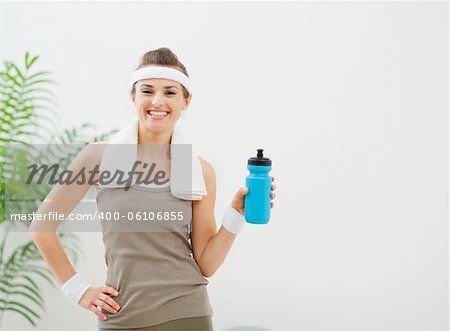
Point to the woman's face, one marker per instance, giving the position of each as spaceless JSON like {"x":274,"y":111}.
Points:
{"x":159,"y":103}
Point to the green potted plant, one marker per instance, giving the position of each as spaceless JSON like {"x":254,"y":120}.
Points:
{"x":28,"y":118}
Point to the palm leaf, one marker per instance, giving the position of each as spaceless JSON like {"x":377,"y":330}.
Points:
{"x":27,"y":119}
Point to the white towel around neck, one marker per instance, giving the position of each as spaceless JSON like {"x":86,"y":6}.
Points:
{"x":182,"y":184}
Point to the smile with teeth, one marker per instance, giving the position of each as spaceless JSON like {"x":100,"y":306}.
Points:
{"x":157,"y":115}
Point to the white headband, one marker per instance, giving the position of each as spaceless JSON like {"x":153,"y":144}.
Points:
{"x":161,"y":72}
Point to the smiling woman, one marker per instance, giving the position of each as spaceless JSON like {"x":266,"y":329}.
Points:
{"x":155,"y":279}
{"x":159,"y":101}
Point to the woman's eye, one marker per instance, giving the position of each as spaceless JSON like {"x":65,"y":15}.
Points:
{"x":149,"y":92}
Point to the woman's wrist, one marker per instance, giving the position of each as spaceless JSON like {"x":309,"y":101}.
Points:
{"x":75,"y":287}
{"x":233,"y":221}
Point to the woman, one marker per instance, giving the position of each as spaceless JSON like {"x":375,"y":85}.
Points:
{"x":155,"y":281}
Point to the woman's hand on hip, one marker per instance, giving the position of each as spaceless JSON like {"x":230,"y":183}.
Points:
{"x":238,"y":200}
{"x":97,"y":297}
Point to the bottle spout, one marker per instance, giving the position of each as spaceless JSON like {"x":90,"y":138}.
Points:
{"x":259,"y":160}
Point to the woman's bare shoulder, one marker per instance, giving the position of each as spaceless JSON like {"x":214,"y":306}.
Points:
{"x":208,"y":169}
{"x":99,"y":142}
{"x":91,"y":155}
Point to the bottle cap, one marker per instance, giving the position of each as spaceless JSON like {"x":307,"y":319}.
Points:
{"x":259,"y":160}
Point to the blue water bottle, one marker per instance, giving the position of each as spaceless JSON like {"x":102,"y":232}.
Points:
{"x":257,"y":200}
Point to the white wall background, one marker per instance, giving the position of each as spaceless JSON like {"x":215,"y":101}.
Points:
{"x":349,"y":99}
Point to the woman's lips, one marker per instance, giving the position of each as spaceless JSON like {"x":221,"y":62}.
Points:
{"x":157,"y":115}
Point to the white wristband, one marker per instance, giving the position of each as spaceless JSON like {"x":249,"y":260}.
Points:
{"x":75,"y":287}
{"x":233,"y":220}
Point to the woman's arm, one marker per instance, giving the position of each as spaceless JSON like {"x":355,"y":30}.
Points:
{"x":210,"y":248}
{"x":63,"y":199}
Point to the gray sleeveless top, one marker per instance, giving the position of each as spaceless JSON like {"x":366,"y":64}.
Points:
{"x":149,"y":261}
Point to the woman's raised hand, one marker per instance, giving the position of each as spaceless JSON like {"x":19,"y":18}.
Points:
{"x":238,"y":200}
{"x":96,"y":297}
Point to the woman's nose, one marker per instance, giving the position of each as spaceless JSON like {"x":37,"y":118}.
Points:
{"x":157,"y":99}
